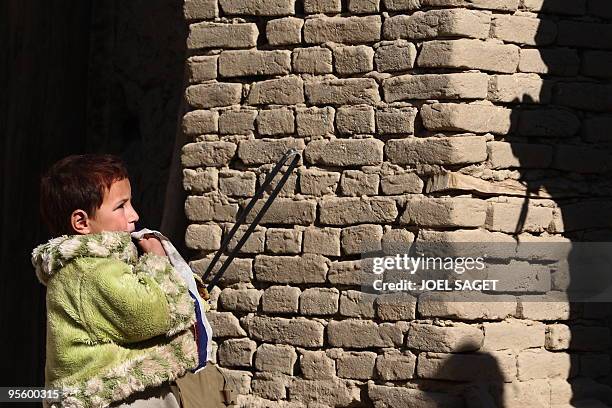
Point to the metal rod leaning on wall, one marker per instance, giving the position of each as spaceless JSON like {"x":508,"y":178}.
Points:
{"x":258,"y":194}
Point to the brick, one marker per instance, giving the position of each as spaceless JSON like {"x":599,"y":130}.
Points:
{"x":204,"y":237}
{"x":275,"y":358}
{"x":351,"y":91}
{"x":401,"y":5}
{"x":445,"y":212}
{"x":459,"y":337}
{"x":357,"y":183}
{"x":254,"y":62}
{"x":498,"y":366}
{"x":436,"y":86}
{"x":403,"y":183}
{"x":396,"y":306}
{"x":553,"y":306}
{"x":472,"y":306}
{"x":513,"y":335}
{"x":536,"y":364}
{"x":411,"y":398}
{"x":224,"y":324}
{"x":254,"y":244}
{"x":456,"y":150}
{"x":597,"y":64}
{"x":361,"y":238}
{"x":308,"y":268}
{"x":525,"y":277}
{"x":349,"y":152}
{"x":287,"y":190}
{"x":237,"y":122}
{"x":201,"y":68}
{"x":213,"y":95}
{"x":284,"y":31}
{"x":503,"y":155}
{"x":200,"y":122}
{"x":558,"y":337}
{"x":237,"y":183}
{"x":200,"y":180}
{"x":467,"y":118}
{"x":357,"y":365}
{"x":273,"y":122}
{"x":345,"y":30}
{"x":360,"y":334}
{"x":286,"y":211}
{"x":288,"y":90}
{"x":469,"y":54}
{"x":240,"y":380}
{"x":322,"y":241}
{"x":355,"y":303}
{"x":349,"y":273}
{"x":322,"y":6}
{"x":588,"y":96}
{"x":548,"y":122}
{"x":438,"y":23}
{"x":395,"y":120}
{"x":584,"y":35}
{"x":266,"y":150}
{"x":318,"y":183}
{"x":315,"y":121}
{"x":505,"y":217}
{"x":325,"y":392}
{"x":395,"y":56}
{"x":200,"y":9}
{"x":271,"y":386}
{"x":595,"y":129}
{"x":501,"y":5}
{"x":316,"y":365}
{"x":519,"y":88}
{"x":594,"y":365}
{"x":397,"y":241}
{"x":240,"y":300}
{"x":240,"y":270}
{"x":363,"y":6}
{"x":280,"y":299}
{"x":554,"y":61}
{"x":258,"y":7}
{"x":283,"y":241}
{"x":570,"y":7}
{"x":353,"y":59}
{"x":581,"y":159}
{"x":297,"y":332}
{"x":600,"y":8}
{"x":219,"y":35}
{"x":312,"y":60}
{"x":209,"y":208}
{"x":346,"y":211}
{"x":355,"y":120}
{"x":394,"y":366}
{"x":524,"y":30}
{"x":319,"y":301}
{"x":214,"y":154}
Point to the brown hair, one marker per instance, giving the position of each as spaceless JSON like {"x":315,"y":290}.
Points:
{"x":77,"y":182}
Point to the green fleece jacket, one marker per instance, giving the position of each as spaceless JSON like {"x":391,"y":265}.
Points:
{"x":116,"y":323}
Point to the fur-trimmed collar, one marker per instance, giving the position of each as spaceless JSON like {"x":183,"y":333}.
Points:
{"x":50,"y":257}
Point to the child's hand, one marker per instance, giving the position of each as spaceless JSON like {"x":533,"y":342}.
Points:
{"x":149,"y":243}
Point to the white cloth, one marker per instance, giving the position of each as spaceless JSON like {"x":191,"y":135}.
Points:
{"x":186,"y":273}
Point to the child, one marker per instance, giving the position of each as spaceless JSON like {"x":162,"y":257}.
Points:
{"x":120,"y":328}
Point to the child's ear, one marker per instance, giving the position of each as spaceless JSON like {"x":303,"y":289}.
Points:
{"x":80,"y":222}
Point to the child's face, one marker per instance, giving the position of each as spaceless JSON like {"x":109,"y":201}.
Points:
{"x":116,"y":212}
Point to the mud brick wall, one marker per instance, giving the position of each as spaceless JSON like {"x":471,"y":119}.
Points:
{"x":419,"y":121}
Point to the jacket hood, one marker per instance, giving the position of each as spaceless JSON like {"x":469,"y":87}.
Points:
{"x":50,"y":257}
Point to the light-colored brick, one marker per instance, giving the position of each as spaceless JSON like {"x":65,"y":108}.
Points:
{"x":524,"y":30}
{"x":408,"y":397}
{"x":322,"y":241}
{"x":513,"y":218}
{"x":537,"y":363}
{"x":319,"y":301}
{"x":445,"y":212}
{"x":315,"y":121}
{"x":357,"y":183}
{"x":317,"y":182}
{"x":436,"y":86}
{"x":395,"y":120}
{"x":254,"y":62}
{"x":308,"y":268}
{"x":205,"y":237}
{"x":284,"y":31}
{"x":341,"y":152}
{"x":570,"y":7}
{"x":348,"y":273}
{"x":395,"y":306}
{"x":202,"y":68}
{"x":297,"y":332}
{"x":361,"y":238}
{"x":353,"y":59}
{"x":275,"y":358}
{"x":519,"y":88}
{"x":254,"y":244}
{"x":199,"y":122}
{"x":214,"y":154}
{"x":211,"y":95}
{"x":240,"y":270}
{"x":237,"y":122}
{"x":200,"y":9}
{"x":355,"y":120}
{"x":355,"y":303}
{"x":500,"y":5}
{"x":312,"y":60}
{"x":240,"y":300}
{"x":470,"y":54}
{"x":438,"y":23}
{"x":258,"y":7}
{"x":283,"y":241}
{"x":224,"y":324}
{"x":363,"y":6}
{"x":209,"y":208}
{"x":316,"y":365}
{"x":288,"y":90}
{"x":266,"y":150}
{"x":271,"y":386}
{"x":552,"y":306}
{"x":554,"y":61}
{"x":280,"y":299}
{"x":475,"y":118}
{"x":219,"y":35}
{"x":351,"y":91}
{"x":357,"y":365}
{"x":345,"y":30}
{"x":287,"y":190}
{"x":455,"y":338}
{"x":472,"y":306}
{"x":273,"y":122}
{"x":394,"y":366}
{"x":322,"y":6}
{"x":359,"y":334}
{"x":456,"y":150}
{"x":513,"y":335}
{"x":402,"y":183}
{"x":395,"y":56}
{"x":286,"y":211}
{"x":498,"y":366}
{"x":346,"y":211}
{"x":200,"y":180}
{"x":503,"y":155}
